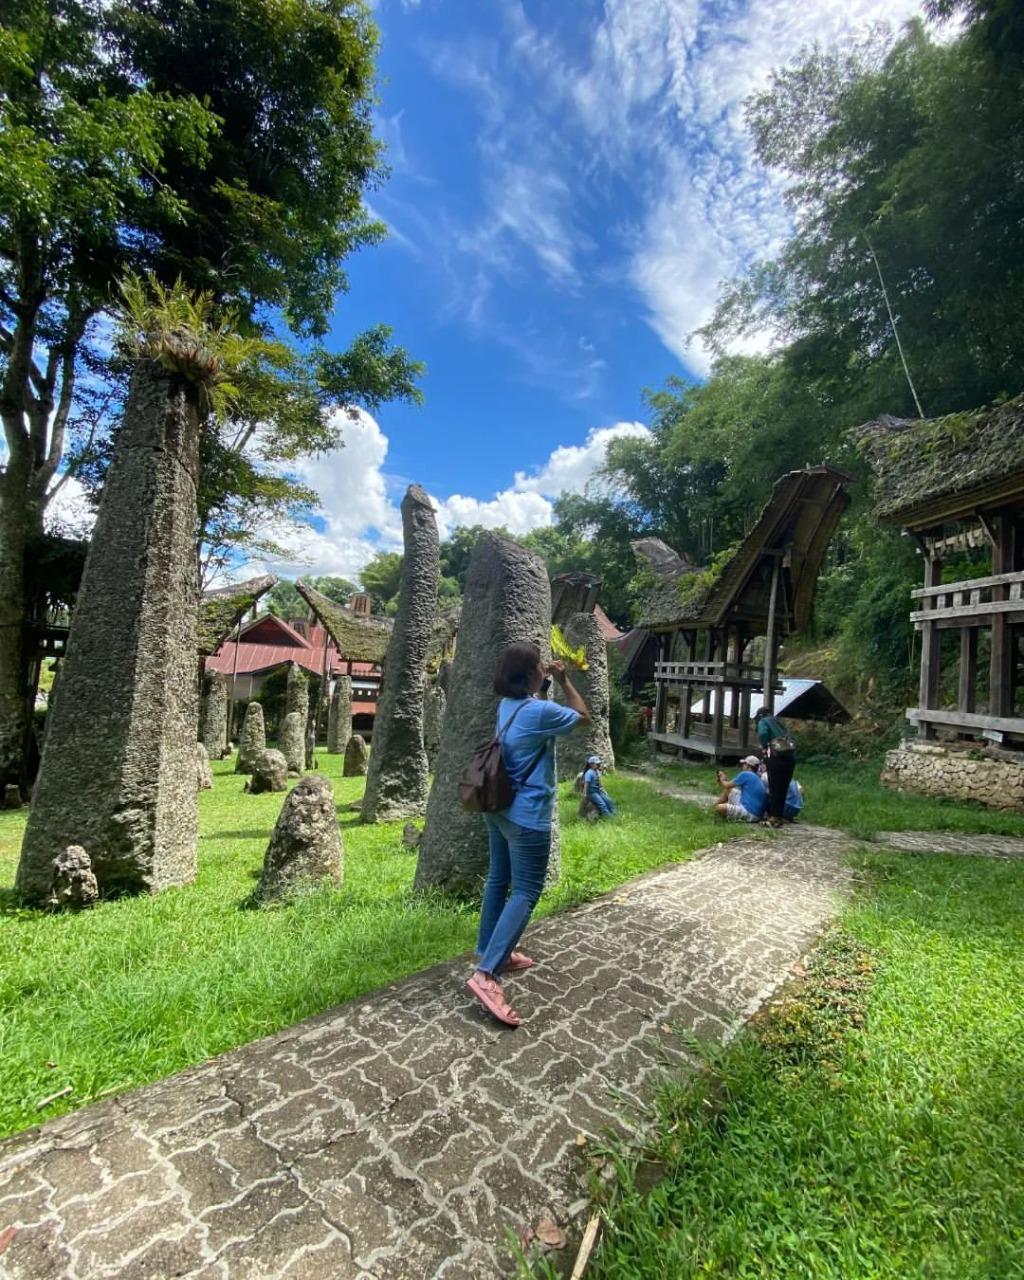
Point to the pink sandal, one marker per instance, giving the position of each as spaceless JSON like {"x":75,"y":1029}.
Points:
{"x":491,"y":996}
{"x":517,"y":962}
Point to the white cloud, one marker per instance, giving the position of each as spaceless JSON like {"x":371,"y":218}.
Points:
{"x":360,"y":517}
{"x":667,"y":82}
{"x":527,"y":504}
{"x":69,"y":512}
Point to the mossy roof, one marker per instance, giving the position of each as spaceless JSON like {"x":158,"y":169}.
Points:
{"x":223,"y":608}
{"x":798,"y":521}
{"x":935,"y":469}
{"x":360,"y":637}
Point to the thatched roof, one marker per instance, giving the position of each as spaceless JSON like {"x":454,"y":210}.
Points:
{"x":797,"y":523}
{"x":360,"y":637}
{"x":223,"y":608}
{"x":937,"y":469}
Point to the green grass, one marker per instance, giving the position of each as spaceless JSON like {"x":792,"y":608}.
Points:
{"x":137,"y":988}
{"x":871,"y":1126}
{"x":848,"y":795}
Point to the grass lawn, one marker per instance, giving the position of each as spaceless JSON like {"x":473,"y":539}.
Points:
{"x":847,"y":794}
{"x":137,"y":988}
{"x":871,"y":1125}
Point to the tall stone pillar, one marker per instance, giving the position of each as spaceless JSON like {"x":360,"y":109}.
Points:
{"x":253,"y":740}
{"x":339,"y":717}
{"x":434,"y":703}
{"x":396,"y":781}
{"x":508,"y":599}
{"x":591,"y":739}
{"x":214,"y":731}
{"x":118,"y":774}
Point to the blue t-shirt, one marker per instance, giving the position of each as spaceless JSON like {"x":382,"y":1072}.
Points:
{"x":537,"y":725}
{"x":591,"y":781}
{"x":753,"y":792}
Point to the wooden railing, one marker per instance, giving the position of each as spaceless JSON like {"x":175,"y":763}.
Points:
{"x":974,"y":598}
{"x":709,"y":674}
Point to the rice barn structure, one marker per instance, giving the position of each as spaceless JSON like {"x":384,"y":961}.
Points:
{"x":704,"y":622}
{"x":955,"y":485}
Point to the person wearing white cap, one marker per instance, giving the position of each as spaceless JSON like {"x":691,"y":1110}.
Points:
{"x":745,"y":797}
{"x":594,"y":790}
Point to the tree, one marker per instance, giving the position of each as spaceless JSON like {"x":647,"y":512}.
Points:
{"x":381,"y":579}
{"x":228,"y":145}
{"x":283,"y":601}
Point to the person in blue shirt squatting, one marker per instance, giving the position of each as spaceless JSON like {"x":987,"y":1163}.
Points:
{"x":520,"y":836}
{"x":745,"y":798}
{"x":593,"y":788}
{"x":794,"y":801}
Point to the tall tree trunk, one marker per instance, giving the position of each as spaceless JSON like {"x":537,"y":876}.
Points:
{"x":15,"y":522}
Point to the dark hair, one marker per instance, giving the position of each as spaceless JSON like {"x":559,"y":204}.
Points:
{"x":760,"y":714}
{"x":515,"y":669}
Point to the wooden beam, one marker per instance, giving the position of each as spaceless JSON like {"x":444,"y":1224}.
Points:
{"x":771,"y":641}
{"x":1000,"y":698}
{"x":963,"y":720}
{"x":993,"y":608}
{"x":968,"y":668}
{"x":968,"y":584}
{"x":930,"y":654}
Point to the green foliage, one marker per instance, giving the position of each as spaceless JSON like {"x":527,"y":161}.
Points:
{"x":283,"y":601}
{"x":381,"y":579}
{"x":178,"y":977}
{"x":868,"y":1124}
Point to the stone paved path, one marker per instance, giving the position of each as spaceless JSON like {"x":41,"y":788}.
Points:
{"x":399,"y":1137}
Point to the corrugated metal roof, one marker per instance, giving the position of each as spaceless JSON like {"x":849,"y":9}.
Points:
{"x":608,"y":628}
{"x":305,"y":650}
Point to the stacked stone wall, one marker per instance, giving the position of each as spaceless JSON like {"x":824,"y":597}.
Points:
{"x":961,"y":774}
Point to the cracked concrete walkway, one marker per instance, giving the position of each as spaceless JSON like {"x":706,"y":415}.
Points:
{"x":401,"y":1136}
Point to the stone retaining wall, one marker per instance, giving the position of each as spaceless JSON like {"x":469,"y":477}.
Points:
{"x":961,"y":774}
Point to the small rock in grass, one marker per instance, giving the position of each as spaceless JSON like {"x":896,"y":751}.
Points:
{"x":269,"y":773}
{"x":306,"y":845}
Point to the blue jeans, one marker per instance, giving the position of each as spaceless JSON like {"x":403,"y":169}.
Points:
{"x":602,"y":802}
{"x":515,"y":880}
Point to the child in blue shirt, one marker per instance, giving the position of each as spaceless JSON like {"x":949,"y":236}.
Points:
{"x":594,"y":790}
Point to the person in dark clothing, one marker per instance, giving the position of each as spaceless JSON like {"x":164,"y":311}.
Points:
{"x":780,"y":757}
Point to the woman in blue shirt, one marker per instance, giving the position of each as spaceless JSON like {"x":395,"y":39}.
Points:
{"x":520,"y":837}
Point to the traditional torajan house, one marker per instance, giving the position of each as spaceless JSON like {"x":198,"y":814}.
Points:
{"x":704,"y":620}
{"x":956,"y":485}
{"x":267,"y":644}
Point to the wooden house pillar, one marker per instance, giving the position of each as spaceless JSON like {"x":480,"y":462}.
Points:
{"x":771,"y":642}
{"x":928,"y":693}
{"x":1001,"y":666}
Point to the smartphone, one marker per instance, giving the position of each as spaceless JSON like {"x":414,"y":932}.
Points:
{"x":545,"y":685}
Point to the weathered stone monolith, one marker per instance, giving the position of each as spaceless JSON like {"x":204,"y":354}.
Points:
{"x":508,"y":599}
{"x":253,"y":739}
{"x":292,"y":741}
{"x":118,"y":773}
{"x":72,"y":882}
{"x":339,"y":718}
{"x":214,"y":732}
{"x":356,"y":757}
{"x":583,"y":629}
{"x":434,"y":703}
{"x":204,"y":773}
{"x":396,"y":781}
{"x":306,"y":846}
{"x":269,"y":773}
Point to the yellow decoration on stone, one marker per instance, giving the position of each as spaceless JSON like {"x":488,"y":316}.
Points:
{"x":561,"y":648}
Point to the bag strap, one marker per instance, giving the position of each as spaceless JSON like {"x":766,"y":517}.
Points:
{"x":501,"y":742}
{"x":508,"y":722}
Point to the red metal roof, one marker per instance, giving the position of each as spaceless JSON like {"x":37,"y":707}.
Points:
{"x":608,"y":628}
{"x":276,"y":643}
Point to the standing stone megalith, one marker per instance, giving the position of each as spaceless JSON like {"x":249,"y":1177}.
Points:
{"x":508,"y":599}
{"x":292,"y":741}
{"x":356,"y":756}
{"x":396,"y":782}
{"x":253,"y":739}
{"x":305,"y":848}
{"x":339,"y":717}
{"x":214,"y":732}
{"x":434,"y":703}
{"x":297,"y":701}
{"x":204,"y":774}
{"x":118,"y":773}
{"x":593,"y":739}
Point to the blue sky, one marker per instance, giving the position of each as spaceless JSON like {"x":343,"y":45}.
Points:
{"x":570,"y":182}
